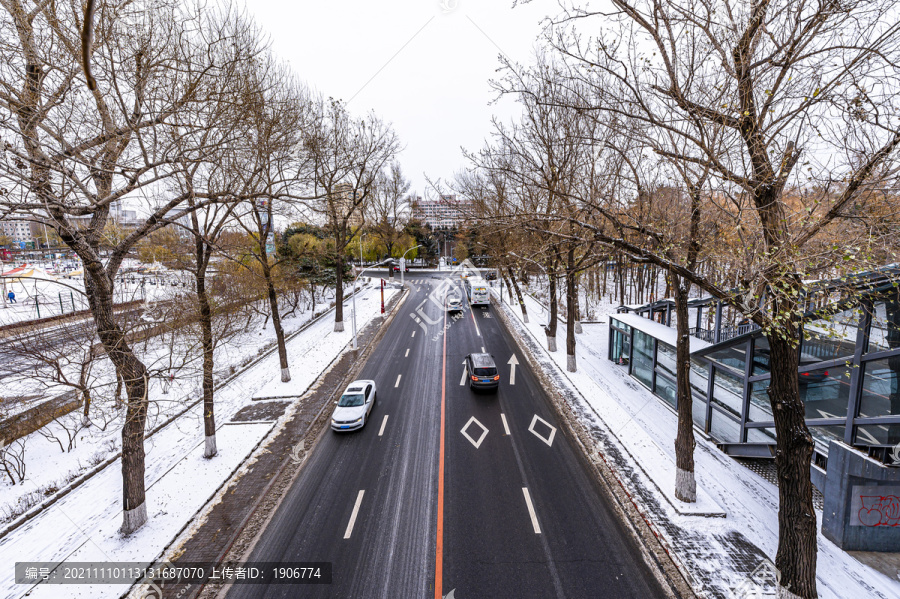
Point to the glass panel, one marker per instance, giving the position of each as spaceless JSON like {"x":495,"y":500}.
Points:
{"x":615,"y":350}
{"x":760,"y":407}
{"x":760,"y":356}
{"x":731,"y":356}
{"x":666,"y":359}
{"x":724,"y":428}
{"x":830,"y":337}
{"x":885,"y":331}
{"x":823,"y":435}
{"x":826,"y":392}
{"x":878,"y":434}
{"x":699,"y":377}
{"x":728,"y":391}
{"x":666,"y":390}
{"x":698,"y":411}
{"x":881,"y":388}
{"x":620,"y":325}
{"x":642,"y":368}
{"x":761,"y":435}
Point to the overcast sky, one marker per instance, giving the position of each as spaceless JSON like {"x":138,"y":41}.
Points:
{"x":423,"y":66}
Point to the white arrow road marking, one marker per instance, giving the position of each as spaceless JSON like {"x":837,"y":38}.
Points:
{"x":513,"y":362}
{"x":505,"y":426}
{"x":450,"y":595}
{"x":354,"y":514}
{"x":383,"y":423}
{"x":534,"y":522}
{"x":477,"y":443}
{"x":397,"y":384}
{"x":548,"y":440}
{"x":867,"y":436}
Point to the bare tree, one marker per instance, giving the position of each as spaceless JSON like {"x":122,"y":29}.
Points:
{"x":74,"y":151}
{"x":798,"y":94}
{"x":389,"y":208}
{"x":345,"y":156}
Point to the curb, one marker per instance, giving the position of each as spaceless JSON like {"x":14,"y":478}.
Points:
{"x":83,"y":478}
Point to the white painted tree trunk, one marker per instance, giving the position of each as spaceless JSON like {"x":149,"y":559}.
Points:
{"x":685,"y":486}
{"x":578,"y":328}
{"x":338,"y":326}
{"x":209,"y":448}
{"x":285,"y":375}
{"x":570,"y":363}
{"x":525,"y":317}
{"x":551,"y":343}
{"x":133,"y":519}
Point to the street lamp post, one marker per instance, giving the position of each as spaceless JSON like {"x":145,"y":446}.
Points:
{"x":354,"y":297}
{"x":403,"y":263}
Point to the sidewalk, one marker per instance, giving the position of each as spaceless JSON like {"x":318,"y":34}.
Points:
{"x":635,"y":433}
{"x":83,"y":526}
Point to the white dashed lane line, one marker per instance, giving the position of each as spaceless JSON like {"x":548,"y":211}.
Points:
{"x":354,"y":514}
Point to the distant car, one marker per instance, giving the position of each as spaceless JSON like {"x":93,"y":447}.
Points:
{"x":454,"y":303}
{"x":397,"y":268}
{"x":354,"y":406}
{"x":482,"y":372}
{"x":491,"y":275}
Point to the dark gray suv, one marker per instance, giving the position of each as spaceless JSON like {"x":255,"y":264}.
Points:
{"x":482,"y":371}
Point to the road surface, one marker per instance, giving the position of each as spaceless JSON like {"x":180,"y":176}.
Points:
{"x":520,"y":514}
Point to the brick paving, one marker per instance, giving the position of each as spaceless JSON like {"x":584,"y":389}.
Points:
{"x":232,"y":523}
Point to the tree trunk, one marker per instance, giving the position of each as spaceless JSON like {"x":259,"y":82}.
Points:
{"x":577,"y":306}
{"x":571,"y":309}
{"x":796,"y":558}
{"x":86,"y":398}
{"x":551,"y":325}
{"x":209,"y":419}
{"x":521,"y":300}
{"x":339,"y":296}
{"x":685,"y":484}
{"x":134,"y":376}
{"x":276,"y":319}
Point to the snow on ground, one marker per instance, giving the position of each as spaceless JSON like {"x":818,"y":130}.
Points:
{"x":173,"y":498}
{"x":638,"y":428}
{"x":50,"y":463}
{"x":91,"y":514}
{"x":53,"y":288}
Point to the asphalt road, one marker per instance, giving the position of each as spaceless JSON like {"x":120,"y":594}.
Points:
{"x":520,"y":515}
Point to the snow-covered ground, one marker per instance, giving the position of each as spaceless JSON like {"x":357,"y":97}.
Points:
{"x":83,"y":525}
{"x":54,"y":288}
{"x":630,"y":423}
{"x":65,"y":449}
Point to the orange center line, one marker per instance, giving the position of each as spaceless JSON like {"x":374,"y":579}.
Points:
{"x":439,"y":551}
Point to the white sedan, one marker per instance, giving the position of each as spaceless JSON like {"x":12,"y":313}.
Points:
{"x":354,"y":406}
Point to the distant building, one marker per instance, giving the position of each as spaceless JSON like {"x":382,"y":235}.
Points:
{"x":342,"y":200}
{"x":444,"y":213}
{"x":18,"y":231}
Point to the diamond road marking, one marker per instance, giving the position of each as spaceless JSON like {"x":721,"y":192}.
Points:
{"x":477,"y":443}
{"x":548,"y":440}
